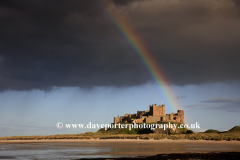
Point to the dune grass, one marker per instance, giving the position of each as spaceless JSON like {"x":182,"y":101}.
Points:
{"x":125,"y":133}
{"x":90,"y":135}
{"x":211,"y":131}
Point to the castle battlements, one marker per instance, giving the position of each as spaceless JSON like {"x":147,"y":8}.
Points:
{"x":153,"y":115}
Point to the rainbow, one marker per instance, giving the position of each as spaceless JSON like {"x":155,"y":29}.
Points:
{"x":146,"y":58}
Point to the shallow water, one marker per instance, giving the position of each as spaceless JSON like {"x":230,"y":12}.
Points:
{"x":75,"y":150}
{"x":48,"y":151}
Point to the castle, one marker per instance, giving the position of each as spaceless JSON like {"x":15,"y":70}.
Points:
{"x":155,"y":114}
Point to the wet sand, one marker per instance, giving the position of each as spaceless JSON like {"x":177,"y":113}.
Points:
{"x":185,"y":156}
{"x":113,"y":148}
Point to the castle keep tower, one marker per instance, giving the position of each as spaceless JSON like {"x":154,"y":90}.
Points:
{"x":157,"y":110}
{"x":181,"y":116}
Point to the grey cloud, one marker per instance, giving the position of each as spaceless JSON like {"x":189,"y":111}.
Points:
{"x":73,"y":43}
{"x":195,"y":106}
{"x":220,"y":103}
{"x":181,"y":97}
{"x":222,"y":100}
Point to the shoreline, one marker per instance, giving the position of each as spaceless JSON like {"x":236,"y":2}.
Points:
{"x":177,"y":156}
{"x":119,"y":140}
{"x":126,"y":148}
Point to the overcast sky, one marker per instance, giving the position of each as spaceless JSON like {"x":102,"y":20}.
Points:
{"x":66,"y":61}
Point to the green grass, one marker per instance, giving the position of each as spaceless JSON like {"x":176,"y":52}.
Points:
{"x":211,"y":131}
{"x":235,"y":129}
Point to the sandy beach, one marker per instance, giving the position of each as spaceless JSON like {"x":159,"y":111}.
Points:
{"x":131,"y":147}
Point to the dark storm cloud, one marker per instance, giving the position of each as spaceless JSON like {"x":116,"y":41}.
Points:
{"x":237,"y":2}
{"x":73,"y":43}
{"x":123,"y":2}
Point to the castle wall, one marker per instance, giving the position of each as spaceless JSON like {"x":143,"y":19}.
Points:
{"x":157,"y":110}
{"x":171,"y":116}
{"x":151,"y":119}
{"x":181,"y":115}
{"x":163,"y":109}
{"x":139,"y":120}
{"x":164,"y":118}
{"x":154,"y":115}
{"x":117,"y":120}
{"x":127,"y":115}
